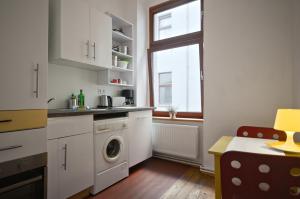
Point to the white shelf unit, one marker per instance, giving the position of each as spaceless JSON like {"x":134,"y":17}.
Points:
{"x":125,"y":75}
{"x":121,"y":55}
{"x":122,"y":85}
{"x":121,"y":69}
{"x":122,"y":35}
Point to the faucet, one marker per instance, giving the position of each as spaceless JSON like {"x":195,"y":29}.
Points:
{"x":51,"y":99}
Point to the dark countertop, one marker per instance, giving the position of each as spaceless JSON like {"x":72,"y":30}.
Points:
{"x":70,"y":112}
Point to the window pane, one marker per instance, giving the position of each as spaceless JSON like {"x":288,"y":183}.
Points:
{"x":178,"y":21}
{"x":165,"y":78}
{"x":165,"y":96}
{"x":180,"y":67}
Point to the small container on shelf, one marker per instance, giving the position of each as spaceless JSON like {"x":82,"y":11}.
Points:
{"x":123,"y":64}
{"x":115,"y":61}
{"x":124,"y":49}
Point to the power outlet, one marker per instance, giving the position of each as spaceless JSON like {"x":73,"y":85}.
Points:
{"x":101,"y":91}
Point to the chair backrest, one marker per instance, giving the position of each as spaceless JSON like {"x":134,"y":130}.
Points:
{"x":257,"y":176}
{"x":261,"y":132}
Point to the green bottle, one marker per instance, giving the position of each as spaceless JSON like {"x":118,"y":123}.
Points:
{"x":81,"y":99}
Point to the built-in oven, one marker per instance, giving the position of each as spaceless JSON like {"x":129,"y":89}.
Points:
{"x":24,"y":178}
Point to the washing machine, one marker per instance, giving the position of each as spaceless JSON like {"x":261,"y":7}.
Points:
{"x":110,"y":152}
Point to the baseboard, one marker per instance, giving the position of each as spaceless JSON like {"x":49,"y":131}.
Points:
{"x":207,"y":171}
{"x":175,"y":159}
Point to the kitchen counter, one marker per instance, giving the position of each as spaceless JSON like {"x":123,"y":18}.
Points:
{"x":70,"y":112}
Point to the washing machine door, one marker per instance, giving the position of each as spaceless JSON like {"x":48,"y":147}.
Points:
{"x":113,"y":148}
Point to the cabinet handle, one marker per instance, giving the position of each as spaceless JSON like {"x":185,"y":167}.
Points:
{"x":36,"y":92}
{"x":65,"y":160}
{"x":102,"y":131}
{"x":10,"y":147}
{"x":5,"y":121}
{"x":88,"y":48}
{"x":94,"y":46}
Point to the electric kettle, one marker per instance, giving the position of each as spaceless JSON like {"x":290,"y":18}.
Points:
{"x":105,"y":101}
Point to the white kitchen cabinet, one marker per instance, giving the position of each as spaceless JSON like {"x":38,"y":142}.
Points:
{"x":15,"y":145}
{"x":53,"y":169}
{"x":101,"y":28}
{"x":24,"y":54}
{"x":74,"y":24}
{"x":70,"y":158}
{"x":76,"y":156}
{"x":79,"y":35}
{"x":140,"y":136}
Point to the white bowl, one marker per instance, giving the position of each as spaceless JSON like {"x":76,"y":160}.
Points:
{"x":123,"y":64}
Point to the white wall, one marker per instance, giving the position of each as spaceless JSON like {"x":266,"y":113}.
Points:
{"x":247,"y":65}
{"x":142,"y":80}
{"x":296,"y":48}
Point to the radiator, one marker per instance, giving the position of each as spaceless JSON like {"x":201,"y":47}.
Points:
{"x":174,"y":139}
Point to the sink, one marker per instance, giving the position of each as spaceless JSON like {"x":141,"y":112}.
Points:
{"x":98,"y":109}
{"x":126,"y":107}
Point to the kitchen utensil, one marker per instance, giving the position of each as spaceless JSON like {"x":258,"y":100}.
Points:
{"x":105,"y":101}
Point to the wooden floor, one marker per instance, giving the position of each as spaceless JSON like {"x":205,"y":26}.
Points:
{"x":158,"y":178}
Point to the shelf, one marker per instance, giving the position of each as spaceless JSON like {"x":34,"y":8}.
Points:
{"x":117,"y":36}
{"x":124,"y":85}
{"x":119,"y":21}
{"x":121,"y":69}
{"x":122,"y":55}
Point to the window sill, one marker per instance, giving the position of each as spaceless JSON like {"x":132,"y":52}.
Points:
{"x":179,"y":119}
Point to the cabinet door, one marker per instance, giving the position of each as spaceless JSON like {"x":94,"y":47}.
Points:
{"x":140,"y":137}
{"x":101,"y":37}
{"x":24,"y":48}
{"x":53,"y":167}
{"x":76,"y":164}
{"x":75,"y":30}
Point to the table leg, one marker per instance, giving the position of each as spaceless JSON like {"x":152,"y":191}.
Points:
{"x":218,"y":193}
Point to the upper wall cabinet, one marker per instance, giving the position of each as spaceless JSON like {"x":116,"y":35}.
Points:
{"x":79,"y":35}
{"x":24,"y":54}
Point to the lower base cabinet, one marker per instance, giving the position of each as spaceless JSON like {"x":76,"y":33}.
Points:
{"x":140,"y":136}
{"x":70,"y":164}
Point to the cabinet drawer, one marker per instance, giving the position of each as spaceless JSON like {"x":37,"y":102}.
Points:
{"x":23,"y":119}
{"x":14,"y":145}
{"x":68,"y":126}
{"x":117,"y":124}
{"x":140,"y":115}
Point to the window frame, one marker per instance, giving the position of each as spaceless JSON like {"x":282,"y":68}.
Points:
{"x":174,"y":42}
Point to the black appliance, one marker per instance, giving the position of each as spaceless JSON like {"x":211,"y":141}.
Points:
{"x":129,"y":95}
{"x":24,"y":178}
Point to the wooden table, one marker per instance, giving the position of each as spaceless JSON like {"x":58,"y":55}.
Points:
{"x":221,"y":146}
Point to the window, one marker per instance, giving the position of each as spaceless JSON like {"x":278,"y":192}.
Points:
{"x":165,"y":88}
{"x":164,"y":26}
{"x":178,"y":20}
{"x":175,"y":58}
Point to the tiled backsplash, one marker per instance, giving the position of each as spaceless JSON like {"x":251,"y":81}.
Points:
{"x":65,"y":80}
